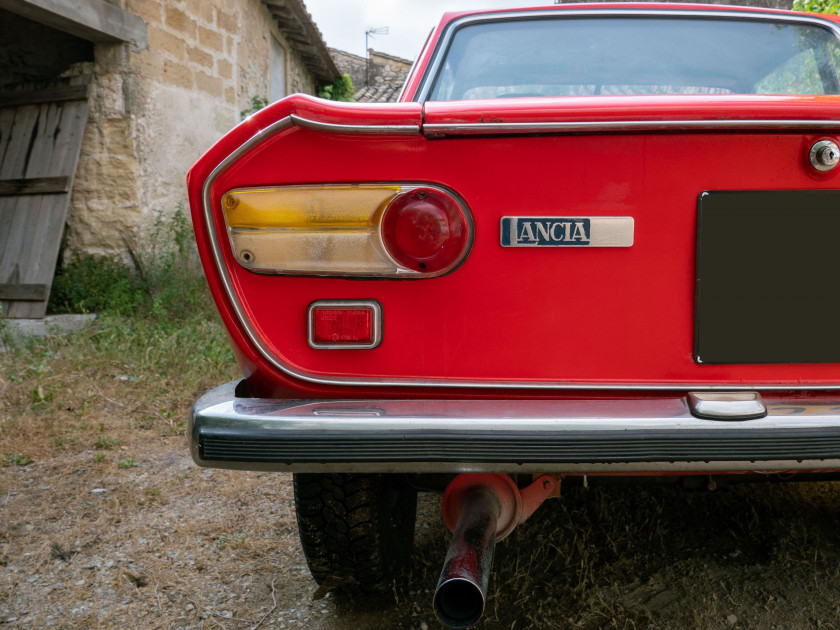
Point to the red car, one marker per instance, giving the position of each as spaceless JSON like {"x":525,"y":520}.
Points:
{"x":589,"y":240}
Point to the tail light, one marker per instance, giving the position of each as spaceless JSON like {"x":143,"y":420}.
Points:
{"x":425,"y":230}
{"x":371,"y":230}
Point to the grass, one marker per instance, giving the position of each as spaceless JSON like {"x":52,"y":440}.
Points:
{"x":156,"y":344}
{"x":16,"y":460}
{"x":107,"y":442}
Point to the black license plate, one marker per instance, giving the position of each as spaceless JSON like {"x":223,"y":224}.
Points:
{"x":768,"y":277}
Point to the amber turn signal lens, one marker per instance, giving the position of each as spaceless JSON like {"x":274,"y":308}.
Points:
{"x":425,"y":230}
{"x":365,"y":230}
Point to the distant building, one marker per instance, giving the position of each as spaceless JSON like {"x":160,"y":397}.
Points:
{"x":380,"y":81}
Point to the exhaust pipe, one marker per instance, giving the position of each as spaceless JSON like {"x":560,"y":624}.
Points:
{"x":479,"y":509}
{"x":462,"y":588}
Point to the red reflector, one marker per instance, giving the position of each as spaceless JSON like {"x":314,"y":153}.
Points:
{"x":342,"y":326}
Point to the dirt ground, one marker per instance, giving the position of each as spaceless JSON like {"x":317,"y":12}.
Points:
{"x":165,"y":544}
{"x":105,"y":522}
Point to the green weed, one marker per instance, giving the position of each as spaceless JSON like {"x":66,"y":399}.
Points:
{"x":257,"y":103}
{"x":238,"y":537}
{"x":128,"y":462}
{"x":16,"y":460}
{"x":103,"y":441}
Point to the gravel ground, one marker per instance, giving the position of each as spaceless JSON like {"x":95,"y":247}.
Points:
{"x":165,"y":544}
{"x":106,"y":522}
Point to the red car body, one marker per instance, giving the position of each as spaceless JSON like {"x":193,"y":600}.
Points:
{"x":544,"y":359}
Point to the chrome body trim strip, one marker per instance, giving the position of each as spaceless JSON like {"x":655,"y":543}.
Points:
{"x":571,"y":436}
{"x":464,"y":129}
{"x":443,"y":43}
{"x":251,"y":333}
{"x":370,"y":130}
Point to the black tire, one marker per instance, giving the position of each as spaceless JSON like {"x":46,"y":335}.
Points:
{"x":356,"y":530}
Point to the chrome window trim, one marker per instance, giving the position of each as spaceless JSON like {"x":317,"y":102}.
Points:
{"x":251,"y":333}
{"x":374,"y":306}
{"x":461,"y":129}
{"x":442,"y":47}
{"x":377,"y":130}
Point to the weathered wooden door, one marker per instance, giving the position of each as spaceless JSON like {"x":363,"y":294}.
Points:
{"x":40,"y":138}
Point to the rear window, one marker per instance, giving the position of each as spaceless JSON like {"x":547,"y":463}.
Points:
{"x":585,"y":56}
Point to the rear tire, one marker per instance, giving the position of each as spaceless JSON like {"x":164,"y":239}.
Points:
{"x":356,"y":530}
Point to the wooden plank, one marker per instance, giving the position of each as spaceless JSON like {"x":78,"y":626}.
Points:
{"x":29,"y":292}
{"x":44,"y":140}
{"x":12,"y":227}
{"x":7,"y":117}
{"x":94,"y":20}
{"x":24,"y":129}
{"x":32,"y":259}
{"x":45,"y":95}
{"x":31,"y":226}
{"x":34,"y":186}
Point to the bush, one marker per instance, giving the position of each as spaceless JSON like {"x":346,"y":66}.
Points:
{"x":94,"y":284}
{"x":339,"y":90}
{"x":155,"y":310}
{"x":161,"y":281}
{"x":817,"y":6}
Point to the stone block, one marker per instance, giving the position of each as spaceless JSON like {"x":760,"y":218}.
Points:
{"x":211,"y":85}
{"x":107,"y":171}
{"x":177,"y":74}
{"x":224,"y":68}
{"x":202,"y":10}
{"x":161,"y":41}
{"x":202,"y":58}
{"x":179,"y":21}
{"x":210,"y":39}
{"x":149,"y":11}
{"x":148,"y":65}
{"x":227,"y":22}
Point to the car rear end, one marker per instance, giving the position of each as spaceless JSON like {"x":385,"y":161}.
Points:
{"x":553,"y":258}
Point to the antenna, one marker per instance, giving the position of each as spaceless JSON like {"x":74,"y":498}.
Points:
{"x":381,"y":30}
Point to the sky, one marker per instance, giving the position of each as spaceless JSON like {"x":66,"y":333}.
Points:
{"x":343,"y":22}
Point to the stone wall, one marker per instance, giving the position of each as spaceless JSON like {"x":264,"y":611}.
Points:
{"x":383,"y":68}
{"x":387,"y":68}
{"x":153,"y":112}
{"x":351,"y":64}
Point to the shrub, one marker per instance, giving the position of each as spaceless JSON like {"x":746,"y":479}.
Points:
{"x":161,"y":280}
{"x":339,"y":90}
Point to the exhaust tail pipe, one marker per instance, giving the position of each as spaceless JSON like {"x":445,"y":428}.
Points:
{"x":480,"y":509}
{"x":462,"y":588}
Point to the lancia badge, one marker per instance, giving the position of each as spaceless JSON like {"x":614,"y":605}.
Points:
{"x":567,"y":231}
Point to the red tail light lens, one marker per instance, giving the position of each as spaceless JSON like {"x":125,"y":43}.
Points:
{"x":425,"y":230}
{"x":345,"y":324}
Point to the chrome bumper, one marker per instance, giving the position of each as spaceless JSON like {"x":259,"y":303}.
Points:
{"x":561,"y":436}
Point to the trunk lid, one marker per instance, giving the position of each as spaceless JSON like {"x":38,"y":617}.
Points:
{"x":555,"y":316}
